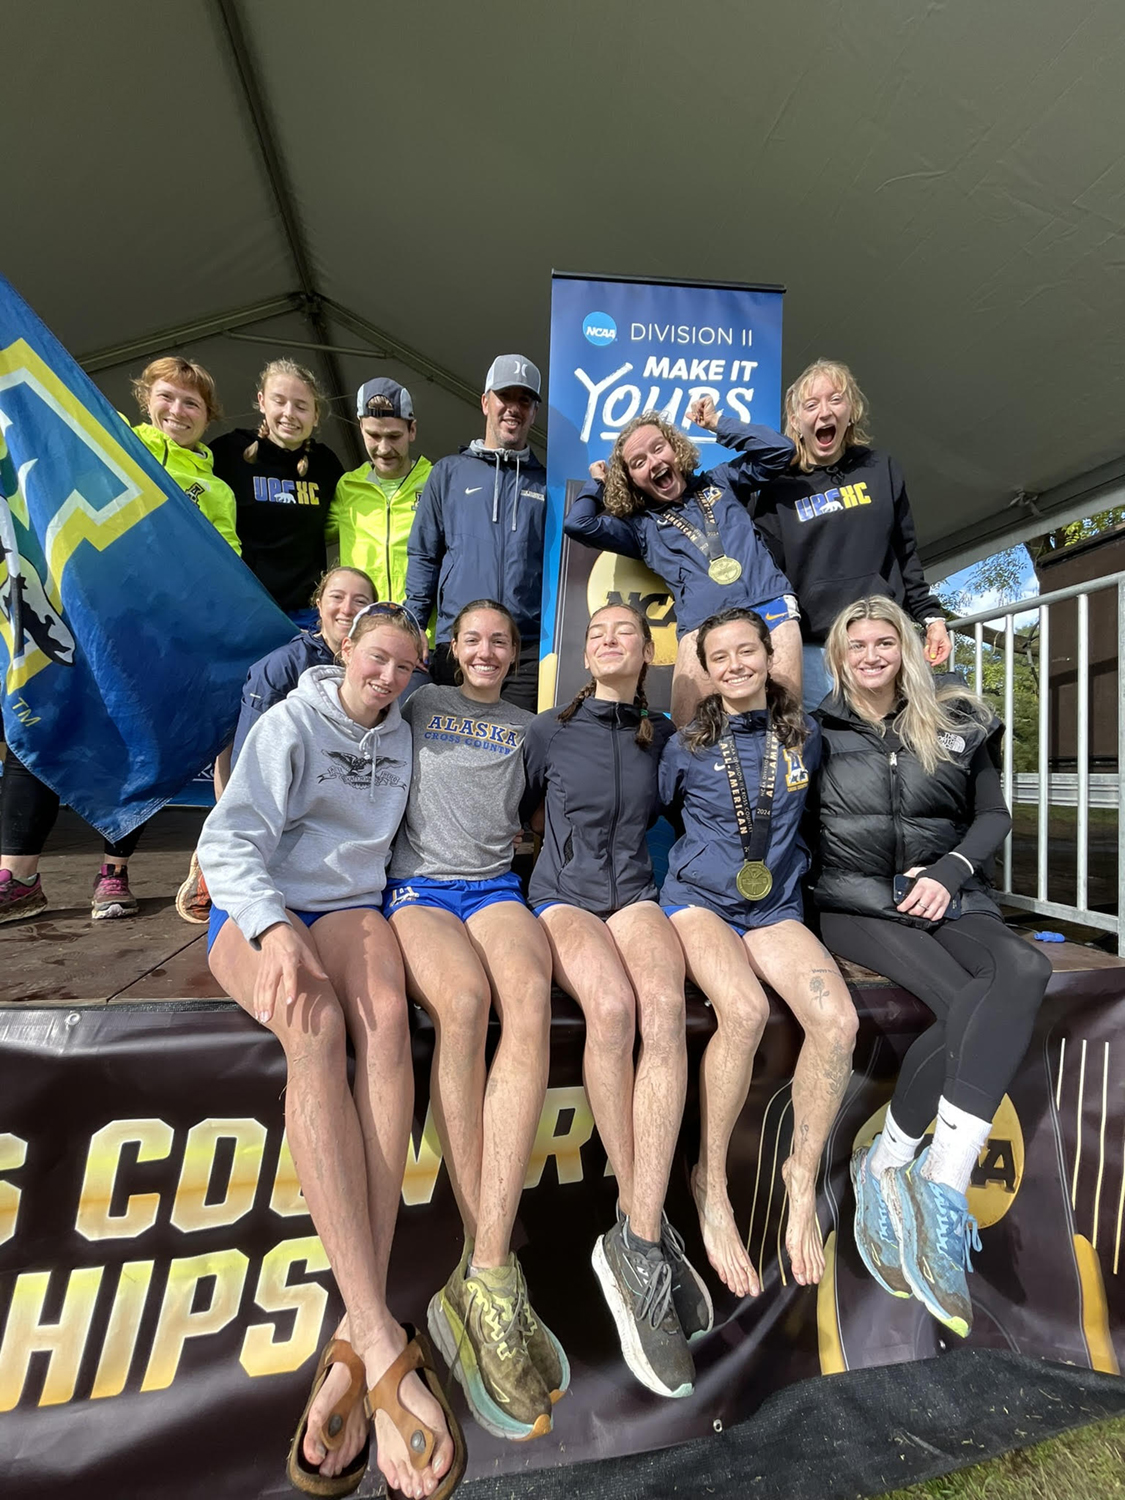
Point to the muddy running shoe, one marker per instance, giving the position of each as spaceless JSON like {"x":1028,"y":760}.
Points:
{"x":477,"y":1321}
{"x":875,"y":1237}
{"x":547,"y":1354}
{"x":936,"y":1233}
{"x":636,"y":1281}
{"x":19,"y":898}
{"x":112,"y":896}
{"x":192,"y":899}
{"x":694,"y":1307}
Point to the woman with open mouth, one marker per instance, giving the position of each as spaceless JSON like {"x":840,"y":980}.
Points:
{"x":737,"y":777}
{"x":838,"y":522}
{"x":694,"y":531}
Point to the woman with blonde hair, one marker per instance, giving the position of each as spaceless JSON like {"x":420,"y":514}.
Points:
{"x":284,"y":481}
{"x":693,"y":530}
{"x":838,"y":522}
{"x":911,"y":813}
{"x":295,"y":856}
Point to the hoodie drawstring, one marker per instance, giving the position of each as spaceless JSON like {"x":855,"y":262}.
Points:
{"x":496,"y":492}
{"x":516,"y":494}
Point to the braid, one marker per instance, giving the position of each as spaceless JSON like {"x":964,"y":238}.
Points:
{"x":786,"y":715}
{"x":708,"y":726}
{"x":303,"y":463}
{"x":572,"y":707}
{"x":250,"y":454}
{"x":643,"y":736}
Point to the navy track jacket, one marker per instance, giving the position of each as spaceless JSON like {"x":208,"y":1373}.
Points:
{"x":703,"y":863}
{"x":678,"y":560}
{"x":478,"y":534}
{"x":599,"y":788}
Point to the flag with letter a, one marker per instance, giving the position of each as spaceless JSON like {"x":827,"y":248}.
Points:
{"x":127,"y":623}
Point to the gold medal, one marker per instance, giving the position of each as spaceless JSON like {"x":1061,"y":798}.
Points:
{"x":754,"y":880}
{"x":725,"y":570}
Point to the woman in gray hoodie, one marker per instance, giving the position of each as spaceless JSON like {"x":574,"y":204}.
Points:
{"x":294,"y":855}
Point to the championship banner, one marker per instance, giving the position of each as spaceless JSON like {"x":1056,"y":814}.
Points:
{"x":127,"y":623}
{"x":619,"y":348}
{"x":163,"y":1295}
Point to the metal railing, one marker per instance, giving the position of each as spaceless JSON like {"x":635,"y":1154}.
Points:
{"x":1042,"y":604}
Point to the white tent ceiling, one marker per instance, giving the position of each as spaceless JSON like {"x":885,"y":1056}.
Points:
{"x":941,"y":188}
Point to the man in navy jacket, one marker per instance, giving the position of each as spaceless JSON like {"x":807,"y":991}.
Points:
{"x":478,"y":529}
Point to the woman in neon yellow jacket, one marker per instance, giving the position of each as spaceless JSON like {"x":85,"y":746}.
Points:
{"x":178,"y":398}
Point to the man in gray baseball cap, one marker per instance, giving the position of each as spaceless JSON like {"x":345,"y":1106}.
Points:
{"x":482,"y":515}
{"x":373,"y":509}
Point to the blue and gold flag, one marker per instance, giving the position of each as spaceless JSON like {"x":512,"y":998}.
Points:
{"x":127,"y":623}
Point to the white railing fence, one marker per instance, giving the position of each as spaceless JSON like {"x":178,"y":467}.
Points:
{"x":1083,"y":790}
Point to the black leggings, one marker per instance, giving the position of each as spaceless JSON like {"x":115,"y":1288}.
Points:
{"x":984,"y":985}
{"x":28,"y":810}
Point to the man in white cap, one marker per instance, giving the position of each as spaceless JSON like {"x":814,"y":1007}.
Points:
{"x":478,"y":528}
{"x":373,"y":509}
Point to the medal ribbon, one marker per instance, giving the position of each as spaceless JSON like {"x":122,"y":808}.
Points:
{"x":754,"y":831}
{"x":709,"y":542}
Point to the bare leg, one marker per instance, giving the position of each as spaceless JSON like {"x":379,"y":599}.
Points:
{"x":718,"y":963}
{"x":588,"y":968}
{"x":326,"y":1139}
{"x":801,"y":970}
{"x":654,"y":963}
{"x":513,"y":949}
{"x":22,"y":866}
{"x":690,"y":682}
{"x":221,"y":773}
{"x":785,"y":667}
{"x":444,"y":975}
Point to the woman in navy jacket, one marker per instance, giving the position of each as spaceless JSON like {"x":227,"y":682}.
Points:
{"x":592,"y":767}
{"x":737,"y":910}
{"x":694,"y":531}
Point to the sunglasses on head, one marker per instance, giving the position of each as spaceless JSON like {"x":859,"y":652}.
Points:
{"x":397,"y":613}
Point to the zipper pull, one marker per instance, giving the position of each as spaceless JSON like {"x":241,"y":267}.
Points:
{"x":894,"y":757}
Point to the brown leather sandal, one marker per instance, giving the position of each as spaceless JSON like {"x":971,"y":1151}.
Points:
{"x":312,"y":1481}
{"x":420,"y":1440}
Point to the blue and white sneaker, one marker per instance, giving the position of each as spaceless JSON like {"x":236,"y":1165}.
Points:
{"x":935,"y":1233}
{"x":875,"y":1237}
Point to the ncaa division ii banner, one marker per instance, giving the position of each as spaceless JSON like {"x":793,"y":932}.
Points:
{"x":620,"y":348}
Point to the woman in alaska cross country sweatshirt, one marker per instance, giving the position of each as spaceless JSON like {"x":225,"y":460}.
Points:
{"x":838,"y":522}
{"x":294,"y":854}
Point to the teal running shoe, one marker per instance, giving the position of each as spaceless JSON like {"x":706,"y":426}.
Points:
{"x":936,"y":1233}
{"x":874,"y":1229}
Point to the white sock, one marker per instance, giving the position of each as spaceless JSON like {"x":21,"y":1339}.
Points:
{"x":894,"y":1147}
{"x":958,"y":1140}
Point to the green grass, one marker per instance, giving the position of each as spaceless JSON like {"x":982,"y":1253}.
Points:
{"x":1087,"y":1464}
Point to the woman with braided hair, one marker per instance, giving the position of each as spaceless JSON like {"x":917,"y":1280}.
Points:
{"x":284,"y":481}
{"x":591,"y":778}
{"x":738,"y":776}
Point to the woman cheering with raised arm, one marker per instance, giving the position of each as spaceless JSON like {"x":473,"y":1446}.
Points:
{"x":693,"y":530}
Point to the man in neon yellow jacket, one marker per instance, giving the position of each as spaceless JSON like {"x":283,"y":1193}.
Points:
{"x":374,"y":505}
{"x":178,"y":398}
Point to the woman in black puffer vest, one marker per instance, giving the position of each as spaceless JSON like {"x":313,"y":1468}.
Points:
{"x":909,"y":786}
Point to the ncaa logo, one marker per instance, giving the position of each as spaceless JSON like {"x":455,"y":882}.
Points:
{"x":599,"y":328}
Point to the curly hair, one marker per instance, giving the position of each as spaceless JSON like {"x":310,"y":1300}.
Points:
{"x":643,"y":736}
{"x":924,"y":712}
{"x":177,"y":371}
{"x":710,"y":722}
{"x":622,"y":498}
{"x":842,"y":380}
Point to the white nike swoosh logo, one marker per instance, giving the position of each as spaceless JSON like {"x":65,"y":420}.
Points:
{"x":475,"y":490}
